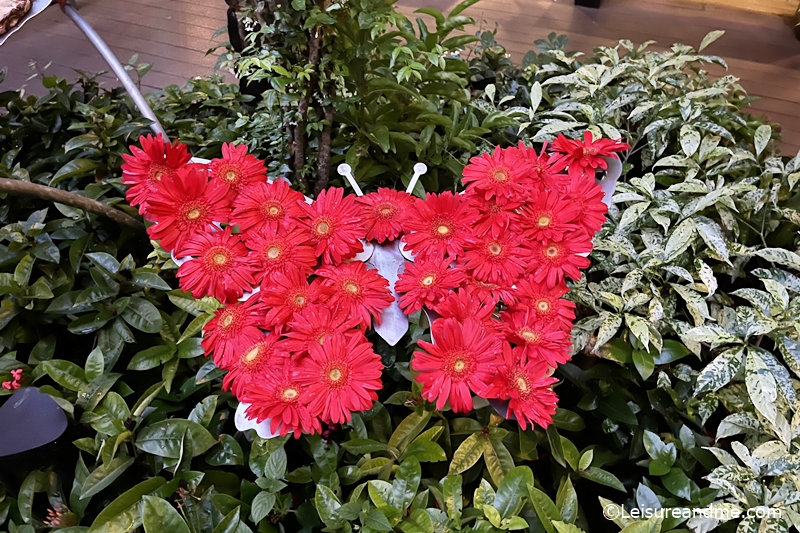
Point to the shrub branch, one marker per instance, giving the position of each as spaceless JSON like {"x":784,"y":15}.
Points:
{"x":52,"y":194}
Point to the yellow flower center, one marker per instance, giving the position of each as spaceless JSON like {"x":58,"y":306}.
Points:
{"x":543,"y":221}
{"x":193,"y":214}
{"x":459,"y":365}
{"x":231,"y":176}
{"x":226,"y":320}
{"x":220,"y":259}
{"x":551,"y":251}
{"x":522,"y":384}
{"x":351,"y":287}
{"x":335,"y":374}
{"x":252,"y":355}
{"x":322,"y":228}
{"x":500,"y":175}
{"x":289,"y":394}
{"x":385,"y":210}
{"x":274,"y":210}
{"x":527,"y":335}
{"x":495,"y":249}
{"x":428,"y":279}
{"x":273,"y":252}
{"x":543,"y":306}
{"x":300,"y":299}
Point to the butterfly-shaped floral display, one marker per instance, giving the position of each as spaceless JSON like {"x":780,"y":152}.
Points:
{"x":304,"y":284}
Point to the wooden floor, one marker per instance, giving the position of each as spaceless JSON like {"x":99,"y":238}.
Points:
{"x":174,"y":36}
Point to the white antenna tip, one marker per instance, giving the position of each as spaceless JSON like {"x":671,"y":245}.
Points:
{"x":343,"y":169}
{"x":420,"y":168}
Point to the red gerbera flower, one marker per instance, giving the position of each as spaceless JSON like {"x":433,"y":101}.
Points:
{"x":267,"y":207}
{"x":461,"y":305}
{"x":490,"y":291}
{"x":546,"y":302}
{"x":544,"y":168}
{"x":287,"y":293}
{"x":232,"y":326}
{"x":335,"y":224}
{"x":587,"y":196}
{"x":360,"y":291}
{"x":237,"y":168}
{"x":542,"y":341}
{"x":280,"y":398}
{"x":426,"y":283}
{"x":502,"y":174}
{"x":552,"y":260}
{"x":585,"y":157}
{"x":183,"y":206}
{"x":497,"y":260}
{"x":494,"y":218}
{"x":439,"y":226}
{"x":463,"y":359}
{"x":148,"y":165}
{"x":384,"y":212}
{"x":219,"y":266}
{"x":254,"y":360}
{"x":341,"y":377}
{"x":549,"y":215}
{"x":314,"y":324}
{"x":274,"y":251}
{"x":527,"y":386}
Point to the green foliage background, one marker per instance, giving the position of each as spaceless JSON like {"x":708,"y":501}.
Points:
{"x":682,"y":389}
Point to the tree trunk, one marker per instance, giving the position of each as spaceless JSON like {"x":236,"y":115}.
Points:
{"x":324,"y":168}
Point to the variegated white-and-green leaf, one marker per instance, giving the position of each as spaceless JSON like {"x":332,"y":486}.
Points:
{"x":631,"y":214}
{"x":639,"y":328}
{"x":778,"y":371}
{"x":608,"y":328}
{"x":694,"y":303}
{"x":790,"y":349}
{"x":778,"y":292}
{"x":761,"y":386}
{"x":760,"y":299}
{"x":720,"y":371}
{"x":753,"y":323}
{"x":780,"y":256}
{"x":736,"y":424}
{"x":680,"y":239}
{"x":706,"y":276}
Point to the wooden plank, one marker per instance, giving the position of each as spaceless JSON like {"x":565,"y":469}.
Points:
{"x":770,"y":7}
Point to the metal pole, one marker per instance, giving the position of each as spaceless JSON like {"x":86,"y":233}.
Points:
{"x":116,"y":66}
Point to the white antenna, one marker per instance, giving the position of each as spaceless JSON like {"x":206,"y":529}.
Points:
{"x":345,"y":171}
{"x":419,"y":170}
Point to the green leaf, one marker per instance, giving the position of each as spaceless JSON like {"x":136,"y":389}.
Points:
{"x":408,"y":429}
{"x":374,"y":520}
{"x":586,"y":459}
{"x":123,"y":514}
{"x":761,"y":138}
{"x":327,"y":505}
{"x":95,"y":364}
{"x":425,"y":451}
{"x":563,"y":527}
{"x":158,"y":516}
{"x":65,"y":373}
{"x":657,"y":450}
{"x":74,"y":169}
{"x":453,"y":499}
{"x":710,"y":38}
{"x":104,"y":260}
{"x":507,"y":500}
{"x":261,"y":506}
{"x":497,"y":458}
{"x":467,"y":454}
{"x":364,"y":446}
{"x":513,"y":523}
{"x":602,"y":477}
{"x":229,"y":524}
{"x":275,"y":467}
{"x":142,"y":315}
{"x":492,"y":515}
{"x":22,"y":272}
{"x":567,"y":500}
{"x":545,"y":509}
{"x":164,"y":438}
{"x":30,"y":486}
{"x":418,"y":522}
{"x":151,"y":357}
{"x":105,"y":475}
{"x":643,"y":361}
{"x":150,"y":280}
{"x":406,"y":483}
{"x":677,"y":483}
{"x":226,"y":452}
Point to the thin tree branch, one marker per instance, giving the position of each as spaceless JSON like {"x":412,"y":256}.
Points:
{"x":324,"y":168}
{"x":52,"y":194}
